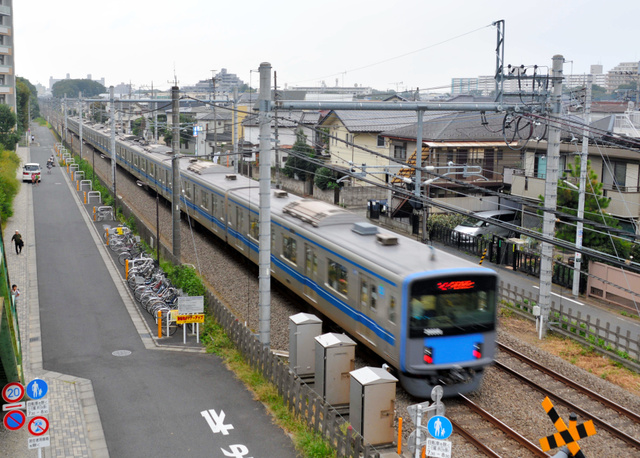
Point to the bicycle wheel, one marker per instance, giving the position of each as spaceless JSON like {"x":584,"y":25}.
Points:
{"x":122,"y":257}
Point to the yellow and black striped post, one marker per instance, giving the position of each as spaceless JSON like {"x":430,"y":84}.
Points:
{"x":484,"y":255}
{"x":565,"y":436}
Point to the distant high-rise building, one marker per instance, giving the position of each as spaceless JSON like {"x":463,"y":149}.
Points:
{"x":623,"y":73}
{"x":7,"y":56}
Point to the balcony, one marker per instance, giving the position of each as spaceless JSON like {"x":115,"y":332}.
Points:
{"x":6,"y":50}
{"x":6,"y":89}
{"x":6,"y":70}
{"x":5,"y":10}
{"x":4,"y":30}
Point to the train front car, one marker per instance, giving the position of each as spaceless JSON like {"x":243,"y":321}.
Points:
{"x":449,"y":330}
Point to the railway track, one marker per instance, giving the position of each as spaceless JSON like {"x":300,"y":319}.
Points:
{"x":480,"y":428}
{"x":618,"y":421}
{"x":470,"y":434}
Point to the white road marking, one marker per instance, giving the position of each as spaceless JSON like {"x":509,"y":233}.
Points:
{"x":563,"y":297}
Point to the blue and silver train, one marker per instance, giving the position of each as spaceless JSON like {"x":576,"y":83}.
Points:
{"x":429,"y":314}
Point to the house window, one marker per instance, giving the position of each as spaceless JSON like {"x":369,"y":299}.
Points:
{"x":380,"y":141}
{"x":615,"y":175}
{"x":337,"y":275}
{"x":289,"y":247}
{"x":400,"y":151}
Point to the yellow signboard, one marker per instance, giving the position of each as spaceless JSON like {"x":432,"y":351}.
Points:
{"x":193,"y":318}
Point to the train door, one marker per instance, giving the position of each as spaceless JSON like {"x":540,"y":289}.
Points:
{"x":367,"y":306}
{"x":310,"y":272}
{"x":240,"y":227}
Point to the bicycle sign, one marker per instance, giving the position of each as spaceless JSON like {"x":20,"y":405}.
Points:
{"x":38,"y":426}
{"x":13,"y":392}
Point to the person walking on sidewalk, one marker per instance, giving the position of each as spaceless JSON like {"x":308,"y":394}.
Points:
{"x":15,"y":294}
{"x":17,"y":239}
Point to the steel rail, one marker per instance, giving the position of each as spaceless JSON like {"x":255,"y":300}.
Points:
{"x":513,"y":434}
{"x":584,"y":413}
{"x":576,"y":386}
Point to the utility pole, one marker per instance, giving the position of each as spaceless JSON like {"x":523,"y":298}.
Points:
{"x":175,"y":165}
{"x":235,"y":130}
{"x":275,"y":130}
{"x":155,"y":115}
{"x":80,"y":129}
{"x":112,"y":103}
{"x":264,"y":256}
{"x":215,"y":116}
{"x":550,"y":194}
{"x":418,"y":188}
{"x":584,"y":154}
{"x":65,"y":119}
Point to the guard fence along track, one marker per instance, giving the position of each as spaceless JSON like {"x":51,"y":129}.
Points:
{"x":479,"y":428}
{"x":607,"y":415}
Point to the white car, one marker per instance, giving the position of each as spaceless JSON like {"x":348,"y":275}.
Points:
{"x":29,"y":169}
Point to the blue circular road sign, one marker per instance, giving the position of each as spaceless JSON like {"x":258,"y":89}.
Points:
{"x":439,"y":427}
{"x":37,"y":388}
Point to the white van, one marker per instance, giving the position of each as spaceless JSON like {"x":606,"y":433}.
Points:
{"x":477,"y":228}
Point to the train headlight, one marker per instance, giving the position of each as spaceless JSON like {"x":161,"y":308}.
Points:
{"x":477,"y":350}
{"x":428,"y":355}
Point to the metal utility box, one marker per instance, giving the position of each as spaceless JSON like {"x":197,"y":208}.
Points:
{"x":303,"y":328}
{"x":372,"y":397}
{"x":335,"y":358}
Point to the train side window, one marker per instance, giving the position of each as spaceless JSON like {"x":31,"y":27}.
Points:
{"x":254,"y":226}
{"x":364,"y":293}
{"x":337,"y":277}
{"x":214,"y":205}
{"x":186,"y":189}
{"x":204,"y":199}
{"x":312,"y":261}
{"x":240,"y":218}
{"x":374,"y":296}
{"x":289,"y":247}
{"x":392,"y":309}
{"x":273,"y":239}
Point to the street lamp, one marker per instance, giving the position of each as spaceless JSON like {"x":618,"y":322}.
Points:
{"x":141,"y":184}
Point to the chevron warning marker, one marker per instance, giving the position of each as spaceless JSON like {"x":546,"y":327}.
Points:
{"x":568,"y":436}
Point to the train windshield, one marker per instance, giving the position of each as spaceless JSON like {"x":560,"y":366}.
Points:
{"x":454,"y":306}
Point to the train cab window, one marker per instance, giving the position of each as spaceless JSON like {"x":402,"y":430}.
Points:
{"x":337,"y":277}
{"x":254,"y":227}
{"x":289,"y":248}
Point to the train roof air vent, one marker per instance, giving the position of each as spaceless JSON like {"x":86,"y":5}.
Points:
{"x":387,"y":239}
{"x":364,"y":229}
{"x":231,"y":176}
{"x":280,"y":194}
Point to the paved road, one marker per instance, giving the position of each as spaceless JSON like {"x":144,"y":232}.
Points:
{"x":150,"y":402}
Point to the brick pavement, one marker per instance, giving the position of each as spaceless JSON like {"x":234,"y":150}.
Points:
{"x":75,"y":427}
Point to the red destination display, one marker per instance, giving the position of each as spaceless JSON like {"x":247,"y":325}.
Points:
{"x":456,"y":285}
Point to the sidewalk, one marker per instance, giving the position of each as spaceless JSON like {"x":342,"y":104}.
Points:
{"x":75,"y":428}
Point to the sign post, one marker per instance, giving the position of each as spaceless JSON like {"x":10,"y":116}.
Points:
{"x":190,"y":310}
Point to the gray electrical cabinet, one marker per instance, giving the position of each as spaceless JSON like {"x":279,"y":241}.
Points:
{"x":372,"y":397}
{"x":303,"y":328}
{"x":335,"y":358}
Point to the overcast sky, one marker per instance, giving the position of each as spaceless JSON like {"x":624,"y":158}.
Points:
{"x":384,"y":44}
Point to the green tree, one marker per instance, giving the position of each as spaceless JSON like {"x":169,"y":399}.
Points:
{"x":73,"y":87}
{"x":325,"y":179}
{"x":594,"y":205}
{"x":138,"y":126}
{"x":8,"y":135}
{"x":23,"y":100}
{"x":99,"y":112}
{"x":299,"y":163}
{"x":35,"y":108}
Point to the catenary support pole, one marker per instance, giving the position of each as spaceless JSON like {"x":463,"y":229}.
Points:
{"x":584,"y":154}
{"x":236,"y":159}
{"x":65,"y":120}
{"x":175,"y":166}
{"x":80,"y":115}
{"x":550,"y":193}
{"x":264,"y":257}
{"x":112,"y":103}
{"x":418,"y":189}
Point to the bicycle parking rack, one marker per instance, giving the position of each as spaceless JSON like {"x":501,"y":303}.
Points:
{"x":78,"y":175}
{"x":83,"y":183}
{"x":57,"y":147}
{"x":65,"y":156}
{"x":92,"y":194}
{"x":72,"y":169}
{"x":131,"y":263}
{"x":103,"y":213}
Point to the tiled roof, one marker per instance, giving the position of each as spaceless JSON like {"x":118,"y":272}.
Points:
{"x":373,"y":120}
